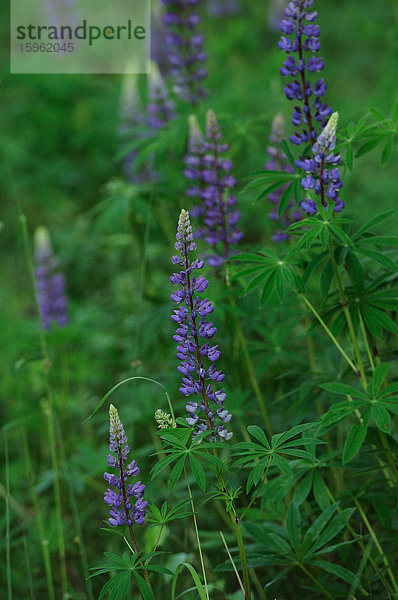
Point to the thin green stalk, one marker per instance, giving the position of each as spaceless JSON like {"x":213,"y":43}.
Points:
{"x":197,"y":534}
{"x":377,"y":544}
{"x":258,"y":584}
{"x":246,"y":580}
{"x":39,"y":521}
{"x":8,"y":522}
{"x":366,"y":342}
{"x":252,"y":375}
{"x":344,"y":303}
{"x":233,"y":564}
{"x":330,"y":334}
{"x":314,"y":579}
{"x":29,"y":569}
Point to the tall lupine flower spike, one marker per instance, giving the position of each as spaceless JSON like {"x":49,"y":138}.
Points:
{"x":164,"y":420}
{"x":197,"y":367}
{"x":212,"y":177}
{"x":120,"y":493}
{"x":325,"y":182}
{"x":185,"y":44}
{"x":300,"y":25}
{"x":50,"y":283}
{"x":278,"y":162}
{"x":160,"y":106}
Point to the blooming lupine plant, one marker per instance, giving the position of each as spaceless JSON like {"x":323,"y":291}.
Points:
{"x":185,"y":49}
{"x":50,"y":283}
{"x":211,"y":179}
{"x":278,"y":162}
{"x":191,"y":318}
{"x":160,"y":106}
{"x":325,"y":182}
{"x":303,"y":38}
{"x":119,"y":496}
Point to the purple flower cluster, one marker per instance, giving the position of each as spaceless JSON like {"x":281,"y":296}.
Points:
{"x":299,"y":24}
{"x":191,"y":317}
{"x":161,"y":108}
{"x":119,"y":495}
{"x":278,"y":162}
{"x":211,"y":179}
{"x":185,"y":49}
{"x":50,"y":283}
{"x":223,"y":8}
{"x":325,"y":182}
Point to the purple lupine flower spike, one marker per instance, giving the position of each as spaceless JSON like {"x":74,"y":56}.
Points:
{"x":120,"y":493}
{"x":206,"y":409}
{"x":50,"y":283}
{"x":214,"y":179}
{"x":185,"y":49}
{"x":325,"y":182}
{"x":223,"y":8}
{"x":161,"y":108}
{"x":278,"y":162}
{"x":301,"y":36}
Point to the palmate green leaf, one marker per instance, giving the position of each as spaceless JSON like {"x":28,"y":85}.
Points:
{"x":259,"y":469}
{"x":379,"y":375}
{"x":258,"y":280}
{"x":285,"y":199}
{"x":280,"y":438}
{"x":282,"y":464}
{"x":293,"y":521}
{"x":387,"y":150}
{"x":337,"y":524}
{"x":197,"y":471}
{"x":376,"y":320}
{"x":381,"y":417}
{"x":384,"y":299}
{"x":338,"y":571}
{"x":338,"y":412}
{"x":162,"y":464}
{"x":382,"y":240}
{"x":391,"y":405}
{"x":379,"y":218}
{"x":117,"y":587}
{"x":312,"y":534}
{"x":382,"y":259}
{"x":144,"y":588}
{"x":268,"y":287}
{"x":176,"y":472}
{"x":320,"y":491}
{"x":355,"y":272}
{"x":303,"y":488}
{"x":355,"y":439}
{"x":341,"y":236}
{"x":278,"y":577}
{"x":344,"y":390}
{"x":326,"y":279}
{"x":259,"y":435}
{"x":309,"y":237}
{"x":370,"y":145}
{"x":289,"y":155}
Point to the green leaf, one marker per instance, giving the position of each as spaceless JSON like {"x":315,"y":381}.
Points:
{"x":320,"y":491}
{"x":199,"y":587}
{"x":259,"y":435}
{"x":370,"y":145}
{"x":117,"y":587}
{"x":338,"y":412}
{"x":303,"y":488}
{"x":375,"y":319}
{"x":280,"y":438}
{"x":337,"y":524}
{"x":394,"y":114}
{"x":144,"y":588}
{"x":338,"y":571}
{"x":259,"y":469}
{"x":355,"y":439}
{"x":344,"y":390}
{"x":268,"y":287}
{"x":326,"y":279}
{"x":382,"y":259}
{"x":381,"y":417}
{"x":387,"y":151}
{"x":176,"y":472}
{"x":349,"y":156}
{"x":282,"y":464}
{"x":355,"y":272}
{"x":341,"y":235}
{"x":163,"y":464}
{"x":293,"y":529}
{"x":379,"y":218}
{"x":197,"y":471}
{"x":379,"y":375}
{"x":285,"y":199}
{"x":312,"y":534}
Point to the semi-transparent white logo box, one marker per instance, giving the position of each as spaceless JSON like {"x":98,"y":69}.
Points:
{"x":80,"y":36}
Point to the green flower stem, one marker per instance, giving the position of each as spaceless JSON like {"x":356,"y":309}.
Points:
{"x":246,"y":580}
{"x":366,"y":342}
{"x":258,"y":490}
{"x":233,"y":564}
{"x":344,"y":303}
{"x":197,"y":533}
{"x":377,"y":544}
{"x":252,"y":373}
{"x":330,"y":334}
{"x":314,"y":579}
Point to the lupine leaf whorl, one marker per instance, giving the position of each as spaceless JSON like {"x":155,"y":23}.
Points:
{"x":50,"y":283}
{"x":302,"y":37}
{"x":325,"y":182}
{"x":278,"y":162}
{"x":120,"y":493}
{"x":185,"y":49}
{"x":197,"y":359}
